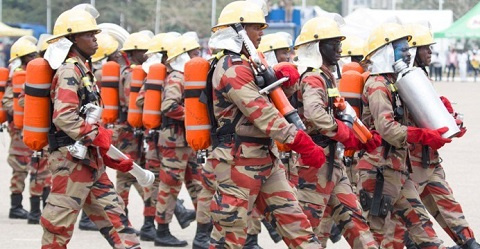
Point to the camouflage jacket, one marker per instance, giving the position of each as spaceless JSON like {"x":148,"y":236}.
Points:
{"x":313,"y":104}
{"x":417,"y":150}
{"x":378,"y":115}
{"x":67,"y":83}
{"x":236,"y":93}
{"x":172,"y":133}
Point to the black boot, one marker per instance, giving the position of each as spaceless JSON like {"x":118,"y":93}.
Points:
{"x":183,"y":215}
{"x":16,"y":210}
{"x":86,"y":224}
{"x":471,"y":244}
{"x":271,"y":231}
{"x":252,"y":242}
{"x":202,"y":237}
{"x":335,"y":234}
{"x":147,"y":232}
{"x":34,"y":215}
{"x":45,"y":193}
{"x":165,"y":238}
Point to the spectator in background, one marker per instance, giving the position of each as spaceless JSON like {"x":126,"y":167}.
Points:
{"x":475,"y":62}
{"x":436,"y":67}
{"x":462,"y":61}
{"x":452,"y":63}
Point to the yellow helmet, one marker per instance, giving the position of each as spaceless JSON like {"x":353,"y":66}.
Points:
{"x":73,"y":21}
{"x":240,"y":12}
{"x":107,"y":45}
{"x":272,"y":42}
{"x":353,"y":46}
{"x":318,"y":28}
{"x":181,"y":45}
{"x":384,"y":34}
{"x":23,"y":46}
{"x":421,"y":35}
{"x":42,"y":44}
{"x":137,"y":41}
{"x":161,"y":42}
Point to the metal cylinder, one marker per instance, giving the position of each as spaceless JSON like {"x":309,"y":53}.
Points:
{"x":423,"y":102}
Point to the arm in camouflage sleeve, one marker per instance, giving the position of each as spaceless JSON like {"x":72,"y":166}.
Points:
{"x":380,"y":105}
{"x":172,"y":101}
{"x":243,"y":91}
{"x":7,"y":100}
{"x":140,"y":97}
{"x":66,"y":105}
{"x":21,"y":97}
{"x":314,"y":103}
{"x":124,"y":88}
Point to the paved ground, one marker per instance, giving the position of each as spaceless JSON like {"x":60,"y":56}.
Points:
{"x":459,"y":162}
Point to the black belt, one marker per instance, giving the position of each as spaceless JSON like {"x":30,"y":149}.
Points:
{"x":321,"y":140}
{"x":57,"y":140}
{"x":234,"y":138}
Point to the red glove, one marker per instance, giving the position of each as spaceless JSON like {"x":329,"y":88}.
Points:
{"x":122,"y":165}
{"x":432,"y":138}
{"x":447,"y":104}
{"x":103,"y":139}
{"x":286,"y":69}
{"x":344,"y":133}
{"x":372,"y":143}
{"x":310,"y":153}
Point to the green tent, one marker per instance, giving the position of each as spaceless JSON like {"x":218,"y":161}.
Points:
{"x":468,"y":26}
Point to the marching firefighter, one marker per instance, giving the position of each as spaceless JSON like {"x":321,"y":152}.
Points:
{"x":128,"y":139}
{"x":157,"y":53}
{"x":79,"y":146}
{"x":428,"y":173}
{"x":23,"y":51}
{"x":385,"y":187}
{"x":327,"y":191}
{"x":243,"y":124}
{"x":178,"y":162}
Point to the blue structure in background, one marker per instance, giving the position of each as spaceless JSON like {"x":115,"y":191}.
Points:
{"x":276,"y":21}
{"x":38,"y":29}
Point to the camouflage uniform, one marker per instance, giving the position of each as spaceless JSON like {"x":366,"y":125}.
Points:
{"x":126,"y":141}
{"x":178,"y":162}
{"x":327,"y":189}
{"x":436,"y":195}
{"x":248,"y":173}
{"x":79,"y":183}
{"x":399,"y":190}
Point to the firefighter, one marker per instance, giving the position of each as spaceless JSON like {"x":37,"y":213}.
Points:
{"x":244,"y":157}
{"x":79,"y":180}
{"x":23,"y":51}
{"x":428,"y":173}
{"x":385,"y":186}
{"x":327,"y":191}
{"x":178,"y":162}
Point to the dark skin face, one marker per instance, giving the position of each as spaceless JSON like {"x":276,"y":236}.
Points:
{"x":27,"y":58}
{"x":423,"y":56}
{"x":194,"y":53}
{"x":282,"y":54}
{"x":137,"y":56}
{"x":86,"y":43}
{"x":254,"y":32}
{"x":331,"y":50}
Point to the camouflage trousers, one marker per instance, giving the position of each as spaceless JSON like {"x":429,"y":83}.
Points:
{"x":240,"y":188}
{"x":179,"y":165}
{"x":406,"y":206}
{"x":150,"y":193}
{"x":40,"y":176}
{"x":320,"y":196}
{"x":126,"y":141}
{"x":205,"y":195}
{"x":437,"y":196}
{"x":75,"y":187}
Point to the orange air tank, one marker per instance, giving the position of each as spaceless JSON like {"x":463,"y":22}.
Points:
{"x":152,"y":117}
{"x":3,"y":84}
{"x":134,"y":116}
{"x":18,"y":80}
{"x":37,"y":104}
{"x":109,"y":92}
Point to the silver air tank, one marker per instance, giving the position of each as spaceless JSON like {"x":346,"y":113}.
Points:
{"x":421,"y":99}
